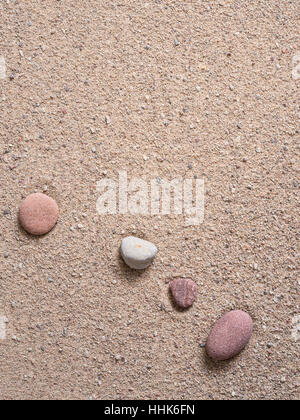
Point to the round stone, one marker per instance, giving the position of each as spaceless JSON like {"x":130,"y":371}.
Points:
{"x":38,"y":214}
{"x":230,"y":335}
{"x":137,"y":253}
{"x":184,"y":291}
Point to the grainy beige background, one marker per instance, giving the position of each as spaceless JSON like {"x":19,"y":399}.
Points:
{"x":71,"y":304}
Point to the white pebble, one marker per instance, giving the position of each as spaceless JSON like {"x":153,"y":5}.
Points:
{"x":137,"y":253}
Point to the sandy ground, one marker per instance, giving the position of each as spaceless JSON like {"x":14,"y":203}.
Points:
{"x":196,"y":88}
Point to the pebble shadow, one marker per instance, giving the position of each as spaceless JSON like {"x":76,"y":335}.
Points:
{"x":130,"y":274}
{"x":174,"y":304}
{"x":214,"y":365}
{"x":25,"y":235}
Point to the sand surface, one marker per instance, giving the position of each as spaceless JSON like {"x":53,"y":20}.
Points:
{"x":189,"y":88}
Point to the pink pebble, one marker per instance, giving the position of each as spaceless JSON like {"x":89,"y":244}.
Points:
{"x":230,"y":335}
{"x":38,"y":214}
{"x":184,"y":291}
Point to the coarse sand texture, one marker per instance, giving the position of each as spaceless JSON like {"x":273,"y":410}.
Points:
{"x":149,"y":167}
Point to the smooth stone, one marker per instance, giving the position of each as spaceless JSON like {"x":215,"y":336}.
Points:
{"x":184,"y":291}
{"x":230,"y":335}
{"x":137,"y":253}
{"x":38,"y":214}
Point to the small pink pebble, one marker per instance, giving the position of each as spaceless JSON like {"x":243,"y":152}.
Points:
{"x":184,"y":291}
{"x":230,"y":335}
{"x":38,"y":214}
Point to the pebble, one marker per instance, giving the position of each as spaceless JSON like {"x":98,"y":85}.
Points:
{"x":137,"y":253}
{"x":184,"y":291}
{"x":230,"y":335}
{"x":38,"y":214}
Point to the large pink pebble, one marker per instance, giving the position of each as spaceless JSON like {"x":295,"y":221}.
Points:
{"x":230,"y":335}
{"x":38,"y":214}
